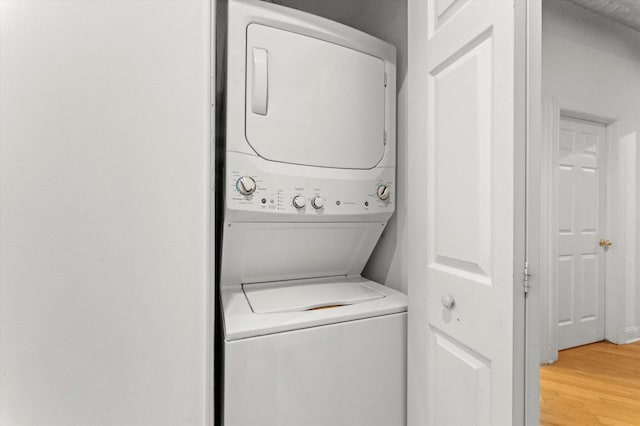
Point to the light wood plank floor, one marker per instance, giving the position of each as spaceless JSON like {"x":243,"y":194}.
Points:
{"x":597,"y":384}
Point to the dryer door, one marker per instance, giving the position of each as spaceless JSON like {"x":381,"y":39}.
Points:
{"x":313,"y":102}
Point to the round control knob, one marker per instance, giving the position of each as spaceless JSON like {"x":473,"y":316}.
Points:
{"x":246,"y":185}
{"x":317,"y":202}
{"x":383,"y":192}
{"x":299,"y":202}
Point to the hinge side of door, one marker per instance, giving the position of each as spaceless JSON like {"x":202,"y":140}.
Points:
{"x":385,"y":79}
{"x":526,"y":277}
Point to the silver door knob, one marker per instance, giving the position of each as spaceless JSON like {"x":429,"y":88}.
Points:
{"x":447,"y":301}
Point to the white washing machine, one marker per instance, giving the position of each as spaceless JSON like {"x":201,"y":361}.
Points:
{"x":309,"y":188}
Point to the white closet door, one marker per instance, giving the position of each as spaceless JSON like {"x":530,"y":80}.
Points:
{"x":465,"y":364}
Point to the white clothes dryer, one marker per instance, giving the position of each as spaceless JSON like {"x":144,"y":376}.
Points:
{"x":309,"y":187}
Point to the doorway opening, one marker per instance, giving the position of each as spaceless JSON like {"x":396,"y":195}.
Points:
{"x":589,"y":69}
{"x":590,"y":205}
{"x":587,"y":226}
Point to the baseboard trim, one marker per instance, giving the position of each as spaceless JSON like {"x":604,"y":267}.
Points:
{"x":631,"y":334}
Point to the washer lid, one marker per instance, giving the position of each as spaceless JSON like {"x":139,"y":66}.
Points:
{"x":312,"y":102}
{"x":295,"y":297}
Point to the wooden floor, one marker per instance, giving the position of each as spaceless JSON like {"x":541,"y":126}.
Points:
{"x":597,"y":384}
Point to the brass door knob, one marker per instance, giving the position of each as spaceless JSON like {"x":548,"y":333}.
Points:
{"x":605,"y":243}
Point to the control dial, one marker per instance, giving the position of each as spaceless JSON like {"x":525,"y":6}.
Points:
{"x":384,"y":192}
{"x":246,"y":185}
{"x":317,"y":202}
{"x":299,"y":202}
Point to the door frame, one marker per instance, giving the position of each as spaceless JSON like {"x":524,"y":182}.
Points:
{"x":553,"y":109}
{"x":530,"y":278}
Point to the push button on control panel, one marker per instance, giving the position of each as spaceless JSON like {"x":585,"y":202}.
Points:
{"x":246,"y":185}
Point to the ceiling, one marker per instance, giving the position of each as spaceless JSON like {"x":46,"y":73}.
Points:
{"x":625,"y":12}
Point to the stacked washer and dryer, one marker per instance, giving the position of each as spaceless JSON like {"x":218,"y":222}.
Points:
{"x":309,"y":188}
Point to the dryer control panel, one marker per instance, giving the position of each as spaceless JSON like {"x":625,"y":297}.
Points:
{"x":316,"y":193}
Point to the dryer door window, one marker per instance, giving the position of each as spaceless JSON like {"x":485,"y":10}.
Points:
{"x":312,"y":102}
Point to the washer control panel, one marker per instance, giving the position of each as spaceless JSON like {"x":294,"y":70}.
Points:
{"x":344,"y":192}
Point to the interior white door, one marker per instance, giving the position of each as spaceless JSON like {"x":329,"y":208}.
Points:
{"x":580,"y":267}
{"x":466,"y":293}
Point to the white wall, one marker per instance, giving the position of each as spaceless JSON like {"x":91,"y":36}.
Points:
{"x":592,"y":65}
{"x":386,"y":20}
{"x":590,"y":60}
{"x":104,"y":213}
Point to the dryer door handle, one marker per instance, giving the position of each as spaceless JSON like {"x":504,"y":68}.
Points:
{"x":260,"y":81}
